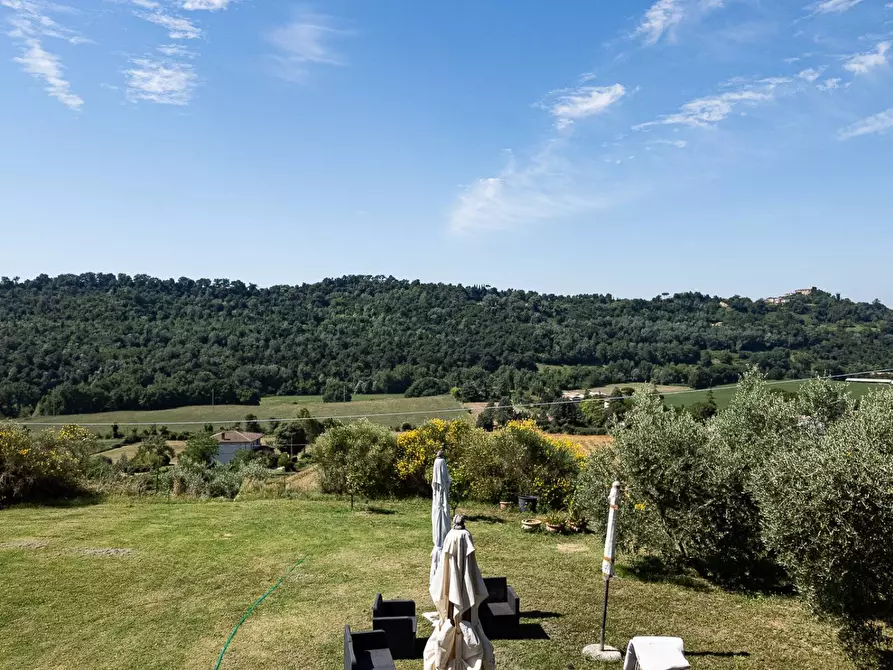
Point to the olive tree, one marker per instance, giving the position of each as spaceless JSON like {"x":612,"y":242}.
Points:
{"x":357,"y":459}
{"x":827,"y":508}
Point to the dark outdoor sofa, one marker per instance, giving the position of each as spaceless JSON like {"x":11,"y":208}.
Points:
{"x":367,"y":650}
{"x":397,"y":618}
{"x":501,"y":612}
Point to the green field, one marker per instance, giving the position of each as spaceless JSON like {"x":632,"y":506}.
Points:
{"x":185,"y":572}
{"x":723,"y":394}
{"x":393,"y":410}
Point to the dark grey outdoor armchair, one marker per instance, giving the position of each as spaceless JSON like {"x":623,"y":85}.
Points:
{"x":397,"y":618}
{"x":501,"y":612}
{"x":367,"y":650}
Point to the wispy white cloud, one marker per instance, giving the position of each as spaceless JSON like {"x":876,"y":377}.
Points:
{"x":303,"y":42}
{"x":833,"y":6}
{"x":810,"y":74}
{"x":178,"y":27}
{"x":679,"y":144}
{"x":175,"y":51}
{"x":710,"y":110}
{"x":660,"y":18}
{"x":873,"y":124}
{"x":209,"y":5}
{"x":546,"y":187}
{"x":663,"y":17}
{"x":165,"y":82}
{"x":578,"y":103}
{"x":146,"y":4}
{"x":30,"y":22}
{"x":829,"y":84}
{"x":44,"y":65}
{"x":864,"y":62}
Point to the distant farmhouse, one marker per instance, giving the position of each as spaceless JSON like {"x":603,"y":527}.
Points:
{"x":780,"y":300}
{"x":231,"y":441}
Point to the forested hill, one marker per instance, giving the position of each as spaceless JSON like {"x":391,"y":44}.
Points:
{"x":99,"y":341}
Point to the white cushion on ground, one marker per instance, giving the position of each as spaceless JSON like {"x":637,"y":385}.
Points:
{"x":655,"y":653}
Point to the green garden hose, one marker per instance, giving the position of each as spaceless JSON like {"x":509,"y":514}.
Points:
{"x":251,"y":609}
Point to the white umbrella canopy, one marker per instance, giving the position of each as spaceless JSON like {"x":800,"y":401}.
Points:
{"x":456,"y":589}
{"x":440,"y":510}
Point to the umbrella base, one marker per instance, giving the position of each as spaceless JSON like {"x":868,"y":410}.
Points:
{"x":607,"y":655}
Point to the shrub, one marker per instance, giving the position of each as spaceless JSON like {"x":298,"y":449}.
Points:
{"x":357,"y":458}
{"x":660,"y":459}
{"x":756,"y":424}
{"x":153,"y":453}
{"x":427,"y":386}
{"x":285,"y":462}
{"x":42,"y":466}
{"x":827,"y":509}
{"x":417,"y":448}
{"x":336,"y":391}
{"x":243,"y":457}
{"x":251,"y":424}
{"x":518,"y":458}
{"x":533,"y":462}
{"x":191,"y":478}
{"x":200,"y":448}
{"x":639,"y":527}
{"x":687,"y":482}
{"x":291,"y":436}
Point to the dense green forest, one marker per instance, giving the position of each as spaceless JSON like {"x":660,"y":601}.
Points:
{"x":93,"y":342}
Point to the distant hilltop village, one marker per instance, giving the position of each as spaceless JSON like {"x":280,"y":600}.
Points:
{"x":787,"y":296}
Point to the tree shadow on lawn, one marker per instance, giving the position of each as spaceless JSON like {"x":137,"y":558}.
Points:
{"x":371,"y":509}
{"x":539,"y":614}
{"x":653,"y":569}
{"x":484,"y":518}
{"x":85,"y":499}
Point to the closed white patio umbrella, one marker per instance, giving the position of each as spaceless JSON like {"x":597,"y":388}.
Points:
{"x":458,"y":590}
{"x":440,"y":510}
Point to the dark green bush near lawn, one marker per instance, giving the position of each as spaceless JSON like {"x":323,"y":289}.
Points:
{"x":770,"y":493}
{"x":357,"y":458}
{"x":827,"y":506}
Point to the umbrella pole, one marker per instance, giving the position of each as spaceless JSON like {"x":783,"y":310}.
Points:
{"x":601,"y":641}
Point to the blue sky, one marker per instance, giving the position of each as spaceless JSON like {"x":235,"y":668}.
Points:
{"x":726,"y":146}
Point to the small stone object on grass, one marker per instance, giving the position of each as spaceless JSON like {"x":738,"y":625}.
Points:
{"x":607,"y":655}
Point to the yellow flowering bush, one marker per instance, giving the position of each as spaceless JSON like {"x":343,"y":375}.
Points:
{"x":45,"y":465}
{"x":534,"y":462}
{"x":417,"y":449}
{"x":518,"y":458}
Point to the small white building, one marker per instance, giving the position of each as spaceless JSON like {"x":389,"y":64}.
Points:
{"x":231,"y":441}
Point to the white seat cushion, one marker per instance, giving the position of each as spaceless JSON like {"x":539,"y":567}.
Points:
{"x":655,"y":653}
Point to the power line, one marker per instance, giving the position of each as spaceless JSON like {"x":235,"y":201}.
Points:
{"x":431,"y":412}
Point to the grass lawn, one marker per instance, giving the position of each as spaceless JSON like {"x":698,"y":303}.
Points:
{"x":723,"y":394}
{"x":190,"y":570}
{"x":130,"y":450}
{"x":398,"y":410}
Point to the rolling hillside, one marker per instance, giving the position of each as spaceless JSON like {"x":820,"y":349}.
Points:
{"x":89,"y":343}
